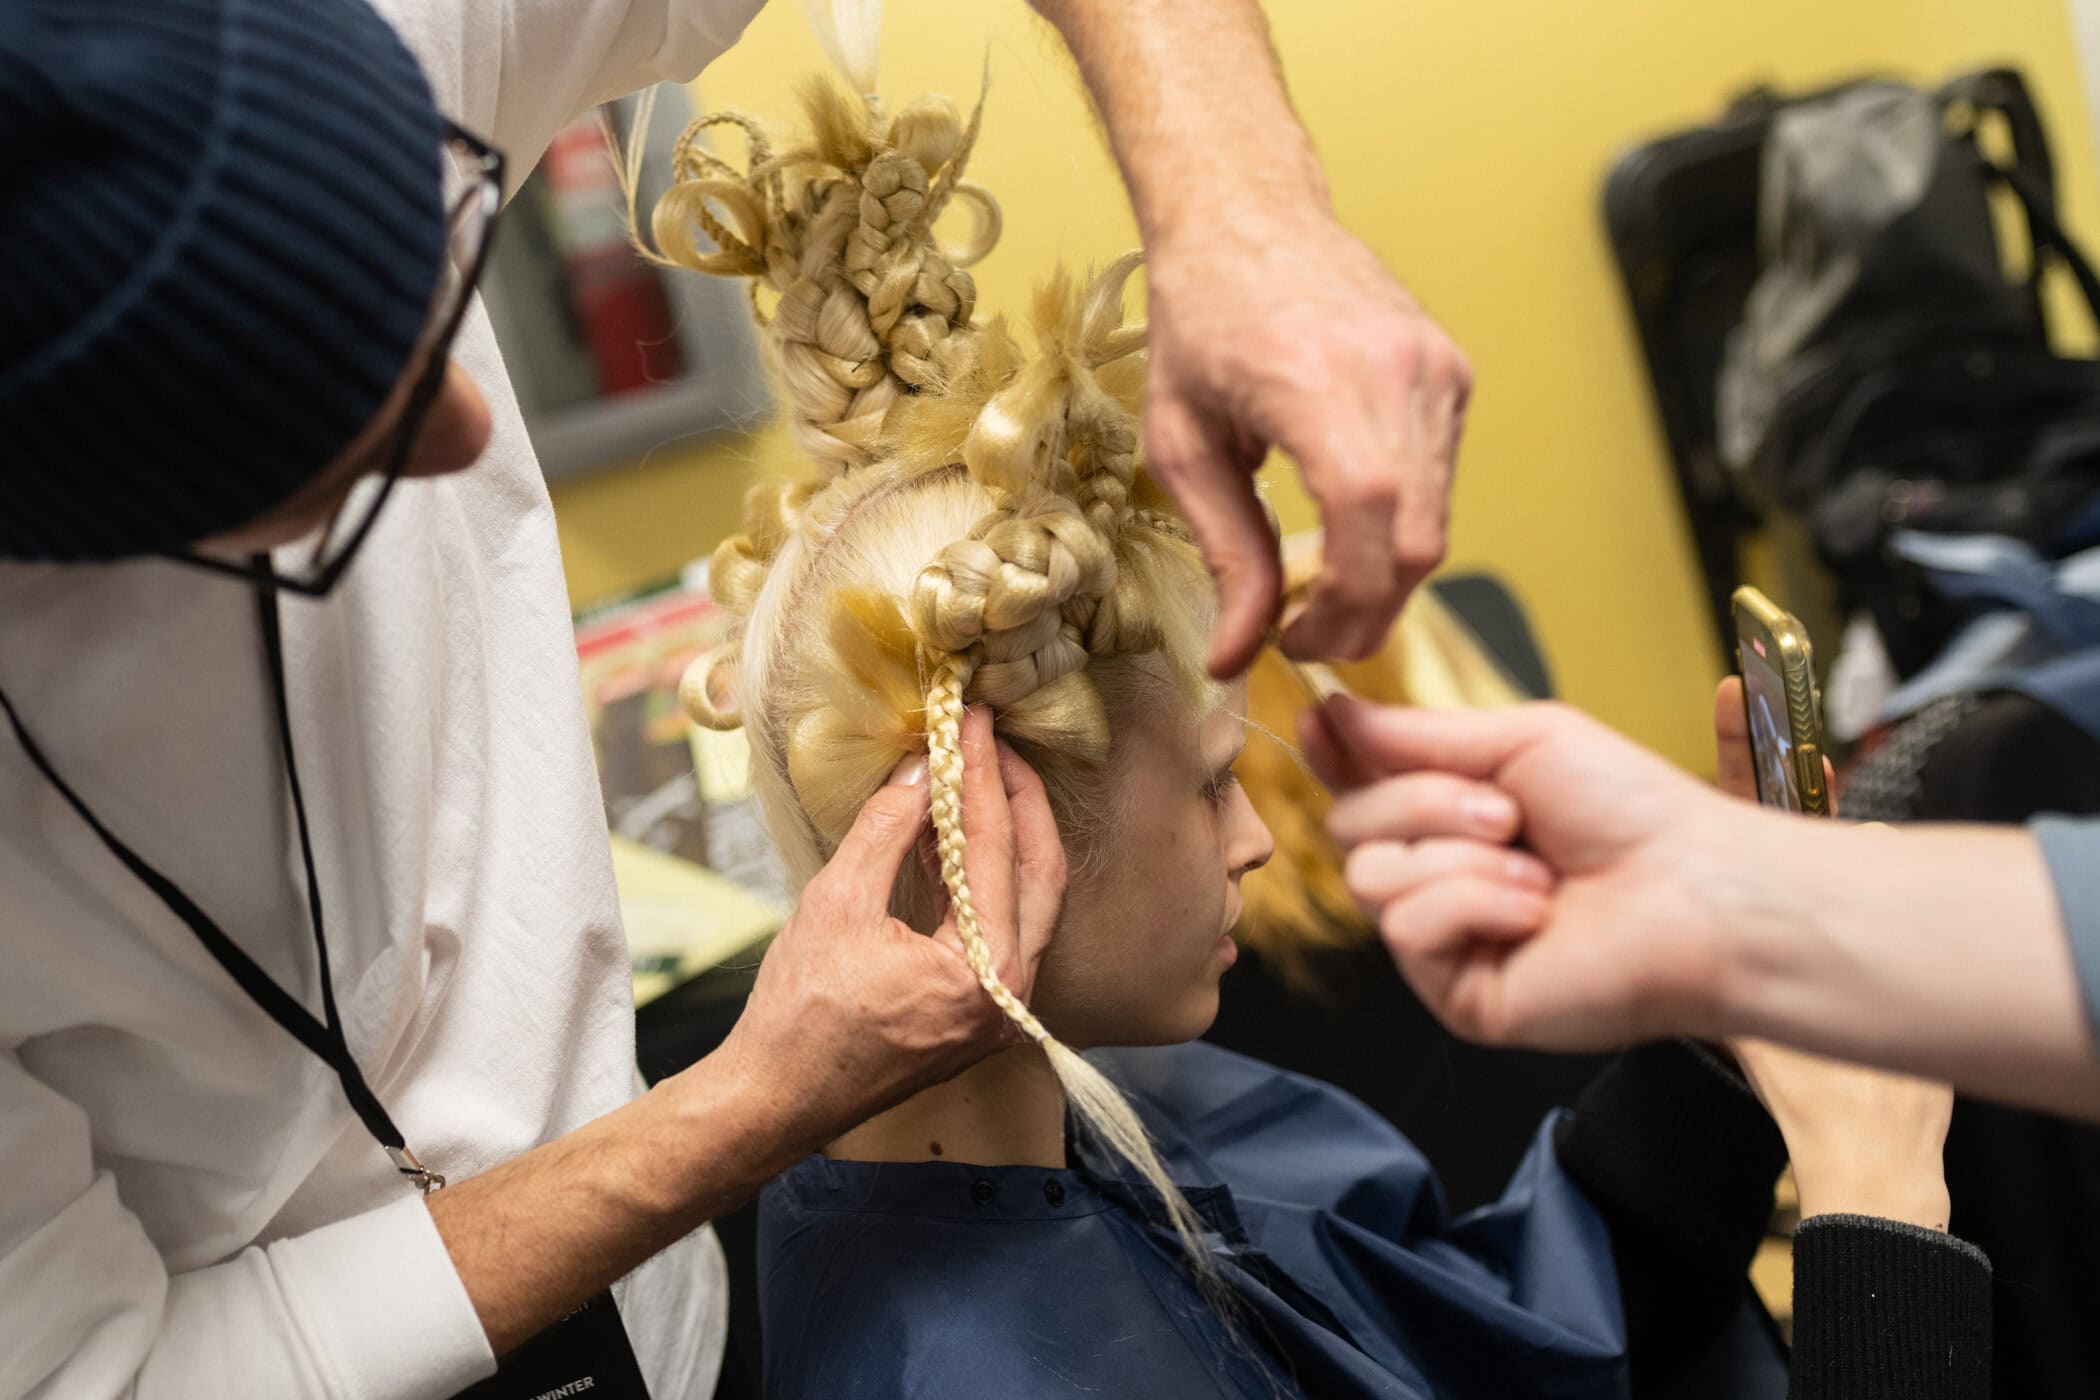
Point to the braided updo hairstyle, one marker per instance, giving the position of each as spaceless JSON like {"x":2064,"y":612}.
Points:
{"x":980,"y":527}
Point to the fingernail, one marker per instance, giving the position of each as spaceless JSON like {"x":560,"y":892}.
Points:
{"x":910,"y":773}
{"x":1524,"y":907}
{"x":1488,"y":810}
{"x":1521,"y":869}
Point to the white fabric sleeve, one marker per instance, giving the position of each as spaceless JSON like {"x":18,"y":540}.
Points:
{"x":368,"y":1308}
{"x":518,"y":71}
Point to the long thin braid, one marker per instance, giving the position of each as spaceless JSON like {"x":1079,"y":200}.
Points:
{"x":944,"y":764}
{"x":1098,"y":1103}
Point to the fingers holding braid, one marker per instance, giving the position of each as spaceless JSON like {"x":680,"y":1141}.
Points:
{"x":1039,"y":864}
{"x":1092,"y":1096}
{"x":1013,"y":857}
{"x":949,"y":776}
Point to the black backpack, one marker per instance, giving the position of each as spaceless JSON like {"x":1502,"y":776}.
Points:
{"x":1887,"y":374}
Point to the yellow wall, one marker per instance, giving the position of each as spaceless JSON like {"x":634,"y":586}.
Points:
{"x":1467,"y":142}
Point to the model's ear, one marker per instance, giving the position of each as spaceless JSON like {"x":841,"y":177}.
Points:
{"x":708,"y":689}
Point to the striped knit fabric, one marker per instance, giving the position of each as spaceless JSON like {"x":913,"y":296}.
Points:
{"x":1888,"y":1311}
{"x":221,"y":223}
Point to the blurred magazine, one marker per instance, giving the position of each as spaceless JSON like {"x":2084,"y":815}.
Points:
{"x":699,"y":882}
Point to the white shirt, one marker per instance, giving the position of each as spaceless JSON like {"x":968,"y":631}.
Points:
{"x":187,"y":1205}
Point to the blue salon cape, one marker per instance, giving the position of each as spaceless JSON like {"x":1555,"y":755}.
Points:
{"x":946,"y":1281}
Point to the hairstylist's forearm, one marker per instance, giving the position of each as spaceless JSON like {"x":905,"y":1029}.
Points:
{"x":1195,"y":107}
{"x":852,"y":1012}
{"x":534,"y":1238}
{"x":1938,"y":951}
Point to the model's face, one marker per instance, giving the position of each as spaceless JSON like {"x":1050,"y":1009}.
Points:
{"x":1144,"y":938}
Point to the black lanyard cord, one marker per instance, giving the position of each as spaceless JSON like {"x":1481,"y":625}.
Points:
{"x":273,"y":651}
{"x":324,"y":1037}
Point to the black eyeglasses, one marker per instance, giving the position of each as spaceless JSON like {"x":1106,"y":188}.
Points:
{"x":475,"y":170}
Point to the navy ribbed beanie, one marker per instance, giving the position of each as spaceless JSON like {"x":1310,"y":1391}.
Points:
{"x":221,"y":224}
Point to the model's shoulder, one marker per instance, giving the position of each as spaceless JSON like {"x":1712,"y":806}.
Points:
{"x":1204,"y":1093}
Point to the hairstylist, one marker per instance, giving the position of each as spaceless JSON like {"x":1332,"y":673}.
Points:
{"x":304,"y":898}
{"x":1644,"y":904}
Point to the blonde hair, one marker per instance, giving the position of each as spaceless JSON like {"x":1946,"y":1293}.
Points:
{"x":1297,"y":907}
{"x":980,"y":530}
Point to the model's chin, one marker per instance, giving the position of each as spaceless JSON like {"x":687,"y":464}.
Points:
{"x":1177,"y":1011}
{"x":1186,"y":1019}
{"x":1196,"y":1012}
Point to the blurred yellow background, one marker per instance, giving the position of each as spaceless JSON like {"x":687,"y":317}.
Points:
{"x":1467,"y":143}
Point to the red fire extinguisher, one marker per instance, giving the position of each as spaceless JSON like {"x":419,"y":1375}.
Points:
{"x":619,"y":299}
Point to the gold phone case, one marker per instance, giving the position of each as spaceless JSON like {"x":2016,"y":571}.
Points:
{"x":1787,"y":648}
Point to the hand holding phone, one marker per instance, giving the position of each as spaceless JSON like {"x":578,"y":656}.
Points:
{"x":1779,"y":705}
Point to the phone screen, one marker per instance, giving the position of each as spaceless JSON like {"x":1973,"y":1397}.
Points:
{"x":1771,"y":738}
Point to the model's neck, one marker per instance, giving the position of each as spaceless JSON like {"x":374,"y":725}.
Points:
{"x":1005,"y":1111}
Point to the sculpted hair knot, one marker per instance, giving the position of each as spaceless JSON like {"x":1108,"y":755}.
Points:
{"x":840,"y":229}
{"x":1013,"y":567}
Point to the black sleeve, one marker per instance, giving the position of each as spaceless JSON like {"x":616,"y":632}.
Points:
{"x":1680,"y":1158}
{"x":1888,"y":1311}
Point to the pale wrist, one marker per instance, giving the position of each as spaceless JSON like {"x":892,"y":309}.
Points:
{"x":1921,"y":1200}
{"x":1769,"y":886}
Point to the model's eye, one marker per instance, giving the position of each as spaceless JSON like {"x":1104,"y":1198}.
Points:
{"x":1221,"y":784}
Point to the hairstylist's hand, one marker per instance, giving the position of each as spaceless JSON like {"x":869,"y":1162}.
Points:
{"x":1280,"y":329}
{"x":1592,"y":936}
{"x":853,"y":1010}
